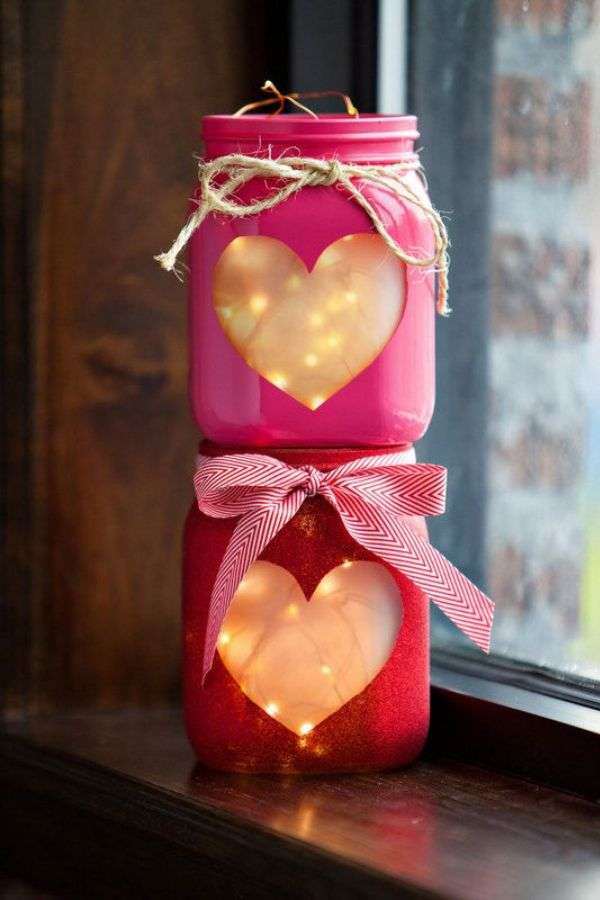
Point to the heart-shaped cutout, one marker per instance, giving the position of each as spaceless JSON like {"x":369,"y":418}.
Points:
{"x":309,"y":333}
{"x":302,"y":661}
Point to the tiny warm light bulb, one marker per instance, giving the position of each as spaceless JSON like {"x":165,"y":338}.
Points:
{"x":326,"y":670}
{"x":292,"y":610}
{"x":258,"y":303}
{"x":278,"y":380}
{"x":347,"y":563}
{"x":272,"y":709}
{"x":224,"y":639}
{"x":311,"y":359}
{"x":351,"y":296}
{"x":334,"y":340}
{"x":306,"y":728}
{"x":316,"y":402}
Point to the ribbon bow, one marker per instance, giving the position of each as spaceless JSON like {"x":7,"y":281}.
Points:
{"x":372,"y":495}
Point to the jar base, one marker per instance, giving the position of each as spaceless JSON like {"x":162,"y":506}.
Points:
{"x":403,"y":761}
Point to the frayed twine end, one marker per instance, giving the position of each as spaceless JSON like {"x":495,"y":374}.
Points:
{"x":168,"y":262}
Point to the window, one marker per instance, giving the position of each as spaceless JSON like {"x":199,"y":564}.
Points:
{"x":518,"y":415}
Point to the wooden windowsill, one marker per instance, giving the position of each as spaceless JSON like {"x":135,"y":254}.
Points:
{"x":111,"y":804}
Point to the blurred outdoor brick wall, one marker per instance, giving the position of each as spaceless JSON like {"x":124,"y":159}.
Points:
{"x":546,"y":63}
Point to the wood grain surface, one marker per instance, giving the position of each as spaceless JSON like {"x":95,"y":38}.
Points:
{"x":137,"y":818}
{"x":14,"y":371}
{"x":112,"y":92}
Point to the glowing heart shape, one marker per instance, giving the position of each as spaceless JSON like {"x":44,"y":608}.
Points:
{"x":309,"y":333}
{"x":300,"y":661}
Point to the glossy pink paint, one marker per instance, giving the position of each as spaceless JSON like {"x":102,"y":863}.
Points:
{"x":391,"y":401}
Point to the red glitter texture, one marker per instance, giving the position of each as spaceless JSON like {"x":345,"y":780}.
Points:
{"x":382,"y":727}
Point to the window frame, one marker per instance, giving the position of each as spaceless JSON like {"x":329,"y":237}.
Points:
{"x":490,"y":711}
{"x":493,"y":711}
{"x":490,"y":718}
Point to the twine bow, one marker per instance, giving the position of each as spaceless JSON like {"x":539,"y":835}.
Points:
{"x":372,"y":495}
{"x":221,"y":178}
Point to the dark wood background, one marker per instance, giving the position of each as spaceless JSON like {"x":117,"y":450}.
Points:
{"x":102,"y":101}
{"x":101,"y":112}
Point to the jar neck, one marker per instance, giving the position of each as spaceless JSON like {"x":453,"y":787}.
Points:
{"x":324,"y":459}
{"x":399,"y":151}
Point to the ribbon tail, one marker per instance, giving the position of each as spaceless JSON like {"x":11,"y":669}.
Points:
{"x":393,"y":541}
{"x":251,"y":535}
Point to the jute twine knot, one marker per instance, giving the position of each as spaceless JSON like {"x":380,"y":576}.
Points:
{"x":335,"y":173}
{"x":221,"y":178}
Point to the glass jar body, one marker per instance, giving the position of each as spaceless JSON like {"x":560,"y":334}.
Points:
{"x":334,"y":686}
{"x":241,"y":394}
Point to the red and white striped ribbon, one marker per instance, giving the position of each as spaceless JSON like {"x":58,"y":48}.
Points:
{"x":373,"y":496}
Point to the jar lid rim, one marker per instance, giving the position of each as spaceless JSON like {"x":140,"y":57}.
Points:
{"x":370,"y":126}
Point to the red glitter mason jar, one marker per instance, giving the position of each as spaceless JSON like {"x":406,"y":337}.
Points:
{"x":323,"y":657}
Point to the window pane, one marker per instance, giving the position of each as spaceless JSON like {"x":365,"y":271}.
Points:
{"x":542,"y":544}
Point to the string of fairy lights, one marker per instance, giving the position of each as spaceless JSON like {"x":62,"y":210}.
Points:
{"x":266,"y":605}
{"x":292,"y":611}
{"x":308,"y":333}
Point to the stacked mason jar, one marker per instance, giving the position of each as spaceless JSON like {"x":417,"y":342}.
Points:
{"x":312,"y":343}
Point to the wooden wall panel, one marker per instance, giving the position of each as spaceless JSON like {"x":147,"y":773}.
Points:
{"x":116,"y":89}
{"x":14,"y":372}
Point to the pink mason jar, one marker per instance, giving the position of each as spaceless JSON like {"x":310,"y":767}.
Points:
{"x":305,"y":328}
